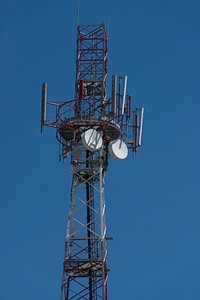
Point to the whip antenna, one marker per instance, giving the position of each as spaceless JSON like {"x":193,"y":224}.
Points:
{"x":78,"y":12}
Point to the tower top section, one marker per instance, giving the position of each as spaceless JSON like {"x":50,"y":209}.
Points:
{"x":91,"y":63}
{"x":91,"y":110}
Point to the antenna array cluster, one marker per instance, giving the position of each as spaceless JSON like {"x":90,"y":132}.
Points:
{"x":113,"y":118}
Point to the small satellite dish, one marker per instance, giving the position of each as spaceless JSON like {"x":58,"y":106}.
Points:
{"x":92,"y":140}
{"x":118,"y":149}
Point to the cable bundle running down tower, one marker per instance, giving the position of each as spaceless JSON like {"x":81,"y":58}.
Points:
{"x":91,"y":128}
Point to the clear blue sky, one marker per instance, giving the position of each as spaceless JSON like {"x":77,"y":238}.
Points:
{"x":153,"y":200}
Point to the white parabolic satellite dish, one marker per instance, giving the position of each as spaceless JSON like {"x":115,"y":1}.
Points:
{"x":92,"y":140}
{"x":118,"y":149}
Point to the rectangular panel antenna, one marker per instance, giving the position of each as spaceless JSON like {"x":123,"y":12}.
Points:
{"x":135,"y":131}
{"x":44,"y":105}
{"x":114,"y":87}
{"x":141,"y":125}
{"x":124,"y":94}
{"x":130,"y":106}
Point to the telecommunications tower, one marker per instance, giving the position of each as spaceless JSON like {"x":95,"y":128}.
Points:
{"x":92,"y":128}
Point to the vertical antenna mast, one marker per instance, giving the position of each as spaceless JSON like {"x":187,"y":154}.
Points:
{"x":78,"y":12}
{"x":91,"y":128}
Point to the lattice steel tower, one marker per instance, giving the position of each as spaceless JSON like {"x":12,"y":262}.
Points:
{"x":92,"y":128}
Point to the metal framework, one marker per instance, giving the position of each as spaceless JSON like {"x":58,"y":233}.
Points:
{"x":85,"y":271}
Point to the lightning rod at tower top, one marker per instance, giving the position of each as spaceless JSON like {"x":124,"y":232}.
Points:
{"x":90,"y":129}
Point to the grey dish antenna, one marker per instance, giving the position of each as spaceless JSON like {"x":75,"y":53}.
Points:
{"x":118,"y":149}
